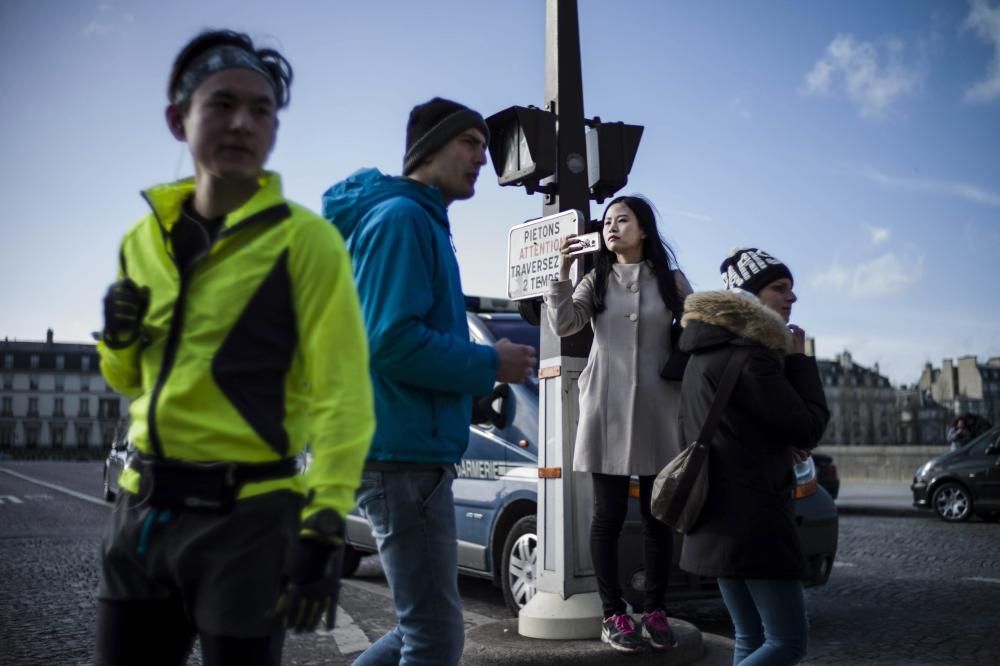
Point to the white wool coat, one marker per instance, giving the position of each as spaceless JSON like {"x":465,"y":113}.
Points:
{"x":628,"y":413}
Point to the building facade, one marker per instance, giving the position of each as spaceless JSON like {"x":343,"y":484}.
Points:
{"x":965,"y":387}
{"x":54,"y":401}
{"x":921,"y":419}
{"x":862,"y":403}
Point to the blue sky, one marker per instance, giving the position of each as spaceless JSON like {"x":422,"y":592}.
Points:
{"x":856,"y":141}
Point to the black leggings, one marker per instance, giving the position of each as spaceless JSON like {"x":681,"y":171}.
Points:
{"x":159,"y":633}
{"x":610,"y":507}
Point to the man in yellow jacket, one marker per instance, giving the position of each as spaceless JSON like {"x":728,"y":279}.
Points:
{"x":234,"y":326}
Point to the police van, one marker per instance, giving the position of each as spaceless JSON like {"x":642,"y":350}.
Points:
{"x":496,"y":492}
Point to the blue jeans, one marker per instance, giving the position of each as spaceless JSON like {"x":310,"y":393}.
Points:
{"x":412,"y":514}
{"x":769,"y":618}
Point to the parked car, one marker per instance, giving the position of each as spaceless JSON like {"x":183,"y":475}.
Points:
{"x":114,"y":463}
{"x":962,"y":482}
{"x":826,"y":473}
{"x":497,"y":486}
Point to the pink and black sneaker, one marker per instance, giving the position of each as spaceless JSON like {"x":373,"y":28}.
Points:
{"x":619,"y":631}
{"x":657,"y":629}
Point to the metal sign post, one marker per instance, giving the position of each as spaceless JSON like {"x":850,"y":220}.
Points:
{"x":566,"y":605}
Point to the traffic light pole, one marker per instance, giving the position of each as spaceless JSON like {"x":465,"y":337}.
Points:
{"x":566,"y":605}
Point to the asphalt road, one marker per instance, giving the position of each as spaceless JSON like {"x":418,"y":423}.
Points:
{"x":905,"y":590}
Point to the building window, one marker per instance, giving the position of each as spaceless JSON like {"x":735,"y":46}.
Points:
{"x":57,"y":409}
{"x":32,"y":406}
{"x":83,"y":436}
{"x":60,"y":362}
{"x":33,"y":382}
{"x":60,"y":383}
{"x":34,"y":361}
{"x":84,"y":407}
{"x":8,"y":382}
{"x":58,"y":435}
{"x":84,"y":383}
{"x":8,"y":406}
{"x":6,"y":435}
{"x":31,"y":435}
{"x":8,"y":361}
{"x":107,"y":408}
{"x":85,"y":363}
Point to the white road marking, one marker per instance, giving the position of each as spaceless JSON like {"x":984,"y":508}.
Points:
{"x":52,"y":486}
{"x":348,"y":636}
{"x":9,"y":498}
{"x":838,"y":563}
{"x":980,"y":579}
{"x":471,"y":617}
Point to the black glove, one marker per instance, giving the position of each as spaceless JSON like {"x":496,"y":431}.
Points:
{"x":125,"y":306}
{"x":314,"y":585}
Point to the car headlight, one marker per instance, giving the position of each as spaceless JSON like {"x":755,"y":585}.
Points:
{"x":805,"y":478}
{"x":925,"y":469}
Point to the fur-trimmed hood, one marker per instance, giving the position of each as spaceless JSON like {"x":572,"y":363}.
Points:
{"x":706,"y":312}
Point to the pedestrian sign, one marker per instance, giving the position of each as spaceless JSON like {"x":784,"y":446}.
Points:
{"x":533,"y":253}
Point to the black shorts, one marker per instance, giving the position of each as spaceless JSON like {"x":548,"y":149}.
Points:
{"x":226,"y":569}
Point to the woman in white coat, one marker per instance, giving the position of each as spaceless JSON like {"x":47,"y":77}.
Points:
{"x":628,"y":414}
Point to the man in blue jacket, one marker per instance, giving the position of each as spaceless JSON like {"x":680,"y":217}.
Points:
{"x":424,"y":370}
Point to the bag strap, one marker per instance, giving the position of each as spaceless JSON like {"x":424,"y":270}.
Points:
{"x":726,"y":385}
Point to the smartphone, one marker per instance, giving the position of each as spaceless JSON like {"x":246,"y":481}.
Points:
{"x":588,"y":243}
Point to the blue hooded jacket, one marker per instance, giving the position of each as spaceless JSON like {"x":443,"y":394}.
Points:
{"x":424,"y":367}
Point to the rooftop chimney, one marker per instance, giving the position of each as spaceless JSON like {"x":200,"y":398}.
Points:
{"x":48,"y":337}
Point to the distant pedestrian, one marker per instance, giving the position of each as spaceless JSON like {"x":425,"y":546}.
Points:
{"x":746,"y":535}
{"x":628,"y":414}
{"x":424,"y":367}
{"x":235,"y":327}
{"x":965,"y":428}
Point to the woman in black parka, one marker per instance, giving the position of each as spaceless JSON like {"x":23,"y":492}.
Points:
{"x":746,"y":534}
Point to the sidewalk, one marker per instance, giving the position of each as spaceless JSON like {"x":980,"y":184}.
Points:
{"x":890,"y":498}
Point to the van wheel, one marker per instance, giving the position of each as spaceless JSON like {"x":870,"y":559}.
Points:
{"x":952,"y":503}
{"x":352,"y":558}
{"x":518,"y":572}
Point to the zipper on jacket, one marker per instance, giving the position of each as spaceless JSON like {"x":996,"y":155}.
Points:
{"x":268,"y":215}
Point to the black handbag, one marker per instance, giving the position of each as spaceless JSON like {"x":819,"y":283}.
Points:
{"x":680,"y":488}
{"x":673,"y":369}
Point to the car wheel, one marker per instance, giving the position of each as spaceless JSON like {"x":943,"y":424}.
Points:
{"x":352,"y":558}
{"x":952,"y":503}
{"x":520,"y":553}
{"x":109,"y":495}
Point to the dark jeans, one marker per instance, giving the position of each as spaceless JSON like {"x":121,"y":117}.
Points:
{"x":769,"y":618}
{"x":159,"y":633}
{"x":610,"y":507}
{"x":412,"y":514}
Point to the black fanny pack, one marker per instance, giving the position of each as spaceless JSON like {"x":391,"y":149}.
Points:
{"x":202,"y":486}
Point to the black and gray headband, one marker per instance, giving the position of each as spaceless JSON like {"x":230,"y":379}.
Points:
{"x":216,"y":60}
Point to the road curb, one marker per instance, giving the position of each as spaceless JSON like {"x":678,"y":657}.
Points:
{"x":888,"y":511}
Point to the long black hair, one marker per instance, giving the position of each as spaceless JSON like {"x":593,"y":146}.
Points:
{"x":655,"y":252}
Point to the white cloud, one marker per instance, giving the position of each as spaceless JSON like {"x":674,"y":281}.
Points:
{"x":886,"y":275}
{"x":960,"y":190}
{"x":699,"y":217}
{"x":108,"y":22}
{"x":985,"y":22}
{"x":741,"y":107}
{"x":872,"y":86}
{"x":878,"y":235}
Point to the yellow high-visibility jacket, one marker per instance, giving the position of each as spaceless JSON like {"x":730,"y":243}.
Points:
{"x":255,"y":350}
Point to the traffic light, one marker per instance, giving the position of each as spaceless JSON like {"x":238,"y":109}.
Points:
{"x":523,"y":145}
{"x":611,"y":149}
